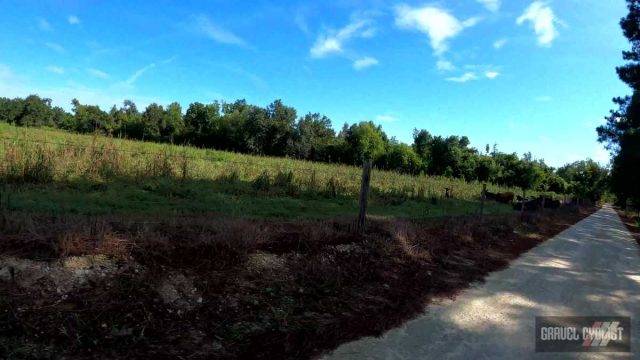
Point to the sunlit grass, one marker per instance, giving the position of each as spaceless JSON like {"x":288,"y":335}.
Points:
{"x":54,"y":171}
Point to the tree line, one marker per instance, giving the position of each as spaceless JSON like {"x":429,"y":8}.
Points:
{"x":277,"y":130}
{"x":621,"y":133}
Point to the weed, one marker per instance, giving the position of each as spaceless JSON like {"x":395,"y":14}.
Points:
{"x":333,"y":187}
{"x":262,"y":182}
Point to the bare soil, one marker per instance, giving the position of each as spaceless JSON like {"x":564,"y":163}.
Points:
{"x":228,"y":288}
{"x":631,"y":222}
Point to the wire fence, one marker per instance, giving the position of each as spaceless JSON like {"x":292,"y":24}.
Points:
{"x":393,"y":188}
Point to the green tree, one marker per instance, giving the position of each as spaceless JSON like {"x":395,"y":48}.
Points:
{"x":365,"y":141}
{"x":586,"y":179}
{"x":621,"y":133}
{"x":277,"y":139}
{"x":201,"y":123}
{"x":172,"y":126}
{"x":312,"y":134}
{"x":89,"y":118}
{"x":401,"y":158}
{"x":151,"y":121}
{"x":36,"y":111}
{"x":486,"y":169}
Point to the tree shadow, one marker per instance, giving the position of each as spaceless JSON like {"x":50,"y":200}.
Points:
{"x":590,"y":269}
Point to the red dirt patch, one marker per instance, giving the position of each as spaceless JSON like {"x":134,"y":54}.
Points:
{"x":203,"y":288}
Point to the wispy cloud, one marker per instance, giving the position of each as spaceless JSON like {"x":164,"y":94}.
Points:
{"x":468,"y":76}
{"x":134,"y":77}
{"x":365,"y":62}
{"x":98,"y":73}
{"x":73,"y":20}
{"x":491,"y":74}
{"x":332,"y":42}
{"x":55,"y":69}
{"x":445,"y":65}
{"x":386,"y":118}
{"x":169,"y":60}
{"x":300,"y":19}
{"x":216,"y":33}
{"x":491,"y":5}
{"x":500,"y":43}
{"x":437,"y":23}
{"x":44,"y":25}
{"x":257,"y":82}
{"x":55,"y":47}
{"x":543,"y":21}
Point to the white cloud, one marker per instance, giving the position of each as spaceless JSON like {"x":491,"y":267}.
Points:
{"x":500,"y":43}
{"x":365,"y":62}
{"x":469,"y":76}
{"x":433,"y":21}
{"x":543,"y":20}
{"x":98,"y":73}
{"x":216,"y":33}
{"x":55,"y":69}
{"x":332,"y":42}
{"x":386,"y":118}
{"x":491,"y":74}
{"x":44,"y":25}
{"x":491,"y":5}
{"x":445,"y":65}
{"x":55,"y":47}
{"x":133,"y":78}
{"x":73,"y":20}
{"x":326,"y":46}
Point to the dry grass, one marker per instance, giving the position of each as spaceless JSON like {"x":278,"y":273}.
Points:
{"x":40,"y":155}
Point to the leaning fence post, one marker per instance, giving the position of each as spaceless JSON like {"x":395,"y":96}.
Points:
{"x":364,"y":194}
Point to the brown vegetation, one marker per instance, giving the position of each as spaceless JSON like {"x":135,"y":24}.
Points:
{"x":223,"y":288}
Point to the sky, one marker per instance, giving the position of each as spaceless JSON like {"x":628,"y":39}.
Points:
{"x":526,"y":75}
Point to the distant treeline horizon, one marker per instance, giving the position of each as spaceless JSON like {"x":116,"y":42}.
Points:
{"x":277,"y":130}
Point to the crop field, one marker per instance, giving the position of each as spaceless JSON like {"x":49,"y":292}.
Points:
{"x":54,"y":172}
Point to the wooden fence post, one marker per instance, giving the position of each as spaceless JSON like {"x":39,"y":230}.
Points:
{"x":522,"y":204}
{"x":364,"y":195}
{"x":482,"y":197}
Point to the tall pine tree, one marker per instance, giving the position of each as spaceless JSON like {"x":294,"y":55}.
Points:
{"x":621,"y":133}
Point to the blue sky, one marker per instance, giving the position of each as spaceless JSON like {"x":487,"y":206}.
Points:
{"x":528,"y":75}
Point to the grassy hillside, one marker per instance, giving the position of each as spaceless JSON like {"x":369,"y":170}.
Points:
{"x":54,"y":172}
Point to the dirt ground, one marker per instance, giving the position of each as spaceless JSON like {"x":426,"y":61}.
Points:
{"x":200,"y":288}
{"x":632,"y":222}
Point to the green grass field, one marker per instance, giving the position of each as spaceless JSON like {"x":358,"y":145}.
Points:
{"x":53,"y":172}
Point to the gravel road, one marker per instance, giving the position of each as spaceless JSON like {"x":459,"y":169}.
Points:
{"x":590,"y":269}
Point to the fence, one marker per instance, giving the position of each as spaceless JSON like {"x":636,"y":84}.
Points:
{"x":101,"y":160}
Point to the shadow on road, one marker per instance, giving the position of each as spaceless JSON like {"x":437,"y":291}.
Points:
{"x":590,"y":269}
